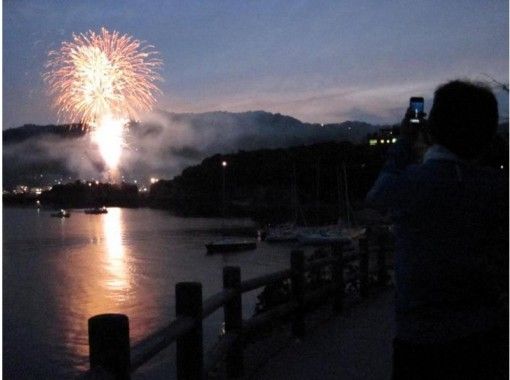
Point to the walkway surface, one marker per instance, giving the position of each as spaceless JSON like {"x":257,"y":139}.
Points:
{"x":357,"y":344}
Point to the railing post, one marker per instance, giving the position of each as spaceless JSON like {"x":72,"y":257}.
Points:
{"x":234,"y":321}
{"x":109,"y":344}
{"x":363,"y":267}
{"x":338,"y":277}
{"x":297,"y":266}
{"x":382,"y":275}
{"x":190,"y":351}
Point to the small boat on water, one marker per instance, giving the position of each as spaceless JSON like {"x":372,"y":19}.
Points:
{"x":322,"y":237}
{"x":96,"y":210}
{"x":281,"y":233}
{"x":61,"y":214}
{"x":330,"y":235}
{"x":230,"y":245}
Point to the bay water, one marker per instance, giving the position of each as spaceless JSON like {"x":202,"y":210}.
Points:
{"x":57,"y":273}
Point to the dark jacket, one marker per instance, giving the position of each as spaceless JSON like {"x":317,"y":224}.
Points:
{"x":451,"y":231}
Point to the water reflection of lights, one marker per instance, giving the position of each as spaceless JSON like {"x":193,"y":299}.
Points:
{"x":115,"y":251}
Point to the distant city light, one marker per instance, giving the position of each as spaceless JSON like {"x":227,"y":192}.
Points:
{"x":97,"y":182}
{"x":501,"y":167}
{"x":224,"y":163}
{"x":20,"y":189}
{"x":393,"y":140}
{"x":154,"y":180}
{"x":372,"y":142}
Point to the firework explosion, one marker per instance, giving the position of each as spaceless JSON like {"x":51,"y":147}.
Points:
{"x":103,"y":79}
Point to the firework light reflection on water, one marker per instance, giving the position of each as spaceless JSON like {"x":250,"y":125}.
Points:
{"x":103,"y":79}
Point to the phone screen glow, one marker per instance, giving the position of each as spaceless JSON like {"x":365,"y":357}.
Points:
{"x":417,"y":106}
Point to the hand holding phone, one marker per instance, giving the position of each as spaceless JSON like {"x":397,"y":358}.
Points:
{"x":416,"y":105}
{"x":414,"y":126}
{"x":413,"y":121}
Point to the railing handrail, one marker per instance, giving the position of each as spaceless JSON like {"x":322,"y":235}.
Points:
{"x":160,"y":339}
{"x":217,"y":301}
{"x":264,"y":280}
{"x":157,"y":341}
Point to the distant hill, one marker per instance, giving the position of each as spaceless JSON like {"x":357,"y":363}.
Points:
{"x":257,"y":129}
{"x":28,"y":131}
{"x":161,"y":146}
{"x":304,"y":183}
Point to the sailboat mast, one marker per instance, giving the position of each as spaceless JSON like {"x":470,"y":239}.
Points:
{"x":346,"y":196}
{"x":224,"y":167}
{"x":317,"y":192}
{"x":294,"y":194}
{"x":339,"y":192}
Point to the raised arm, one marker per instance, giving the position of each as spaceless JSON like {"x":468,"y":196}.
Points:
{"x":391,"y":188}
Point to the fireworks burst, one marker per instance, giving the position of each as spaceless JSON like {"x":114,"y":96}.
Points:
{"x":103,"y":79}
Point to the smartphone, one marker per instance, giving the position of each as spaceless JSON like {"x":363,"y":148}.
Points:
{"x":416,"y":104}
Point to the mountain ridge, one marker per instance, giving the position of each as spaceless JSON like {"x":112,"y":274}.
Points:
{"x":161,"y":146}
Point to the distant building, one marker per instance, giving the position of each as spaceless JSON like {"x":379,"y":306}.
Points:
{"x":384,"y":136}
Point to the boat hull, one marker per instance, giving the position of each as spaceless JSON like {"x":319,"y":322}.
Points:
{"x":60,"y":215}
{"x":230,"y":247}
{"x":96,"y":211}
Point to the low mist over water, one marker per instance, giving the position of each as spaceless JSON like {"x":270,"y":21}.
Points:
{"x":160,"y":146}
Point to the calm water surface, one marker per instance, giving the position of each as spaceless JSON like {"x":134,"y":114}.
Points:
{"x":57,"y":273}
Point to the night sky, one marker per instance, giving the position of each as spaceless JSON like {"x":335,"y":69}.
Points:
{"x":319,"y":61}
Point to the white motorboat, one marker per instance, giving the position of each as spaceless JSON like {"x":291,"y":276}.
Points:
{"x":61,"y":214}
{"x":282,"y":233}
{"x":96,"y":210}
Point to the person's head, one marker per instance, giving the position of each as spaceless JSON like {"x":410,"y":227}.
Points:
{"x":463,"y":118}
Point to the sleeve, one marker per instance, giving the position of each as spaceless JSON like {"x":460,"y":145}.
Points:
{"x":497,"y":244}
{"x":389,"y":188}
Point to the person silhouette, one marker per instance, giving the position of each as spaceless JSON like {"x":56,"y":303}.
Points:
{"x":451,"y":240}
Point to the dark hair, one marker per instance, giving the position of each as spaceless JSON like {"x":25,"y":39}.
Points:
{"x":464,"y":117}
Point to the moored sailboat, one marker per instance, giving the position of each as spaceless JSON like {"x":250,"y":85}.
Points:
{"x":228,"y":244}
